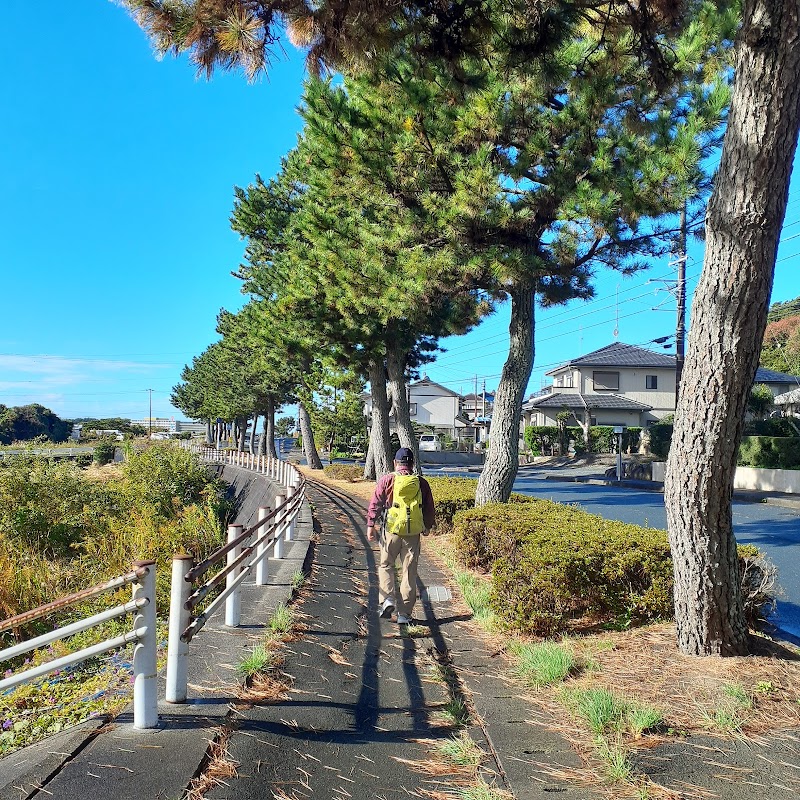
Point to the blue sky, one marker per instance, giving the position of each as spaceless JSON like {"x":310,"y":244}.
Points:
{"x":115,"y":247}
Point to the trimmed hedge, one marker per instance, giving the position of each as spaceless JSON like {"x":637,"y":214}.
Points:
{"x":770,"y":452}
{"x":452,"y":495}
{"x":344,"y":472}
{"x":551,"y":564}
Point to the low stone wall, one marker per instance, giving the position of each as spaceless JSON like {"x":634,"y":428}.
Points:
{"x":450,"y":458}
{"x":755,"y":479}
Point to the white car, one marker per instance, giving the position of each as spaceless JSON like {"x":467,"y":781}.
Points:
{"x":430,"y":442}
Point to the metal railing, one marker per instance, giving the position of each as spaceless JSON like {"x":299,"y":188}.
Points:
{"x":142,"y":579}
{"x":245,"y":553}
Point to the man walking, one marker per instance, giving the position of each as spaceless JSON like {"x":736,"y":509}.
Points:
{"x":400,"y":510}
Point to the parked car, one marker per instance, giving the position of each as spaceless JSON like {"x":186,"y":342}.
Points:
{"x":430,"y":442}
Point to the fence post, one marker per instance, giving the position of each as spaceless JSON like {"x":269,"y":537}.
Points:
{"x":290,"y":527}
{"x":145,"y":687}
{"x":279,"y":529}
{"x":179,"y":616}
{"x":233,"y":603}
{"x":262,"y":566}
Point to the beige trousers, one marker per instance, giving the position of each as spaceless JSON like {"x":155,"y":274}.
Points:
{"x":406,"y":548}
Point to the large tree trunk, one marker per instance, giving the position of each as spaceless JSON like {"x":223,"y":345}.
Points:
{"x":380,"y":442}
{"x":309,"y":448}
{"x":252,"y":447}
{"x":502,"y":460}
{"x":396,"y":369}
{"x":269,"y":428}
{"x":369,"y":462}
{"x":262,"y":440}
{"x":729,"y":312}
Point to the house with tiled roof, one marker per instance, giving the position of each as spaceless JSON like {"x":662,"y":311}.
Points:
{"x":620,"y":384}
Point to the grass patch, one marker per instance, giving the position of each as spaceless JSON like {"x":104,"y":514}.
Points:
{"x":259,"y":660}
{"x":542,"y":664}
{"x":604,"y":712}
{"x":481,"y":791}
{"x":281,"y":621}
{"x":455,"y":711}
{"x":460,"y":750}
{"x":298,"y":579}
{"x":731,"y":712}
{"x":615,"y":760}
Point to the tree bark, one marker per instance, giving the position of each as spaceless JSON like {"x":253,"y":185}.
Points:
{"x":743,"y":225}
{"x":379,"y":435}
{"x":262,"y":441}
{"x":269,"y":428}
{"x":309,"y":448}
{"x":369,"y":462}
{"x":396,"y":385}
{"x":252,"y":447}
{"x":502,"y":460}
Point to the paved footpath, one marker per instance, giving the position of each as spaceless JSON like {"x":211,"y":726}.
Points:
{"x":365,"y":699}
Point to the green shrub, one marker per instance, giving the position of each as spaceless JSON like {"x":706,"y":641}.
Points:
{"x":104,"y":453}
{"x":344,"y":472}
{"x":554,"y":563}
{"x":770,"y":452}
{"x":660,"y":439}
{"x":168,"y":477}
{"x":451,"y":495}
{"x":777,"y":426}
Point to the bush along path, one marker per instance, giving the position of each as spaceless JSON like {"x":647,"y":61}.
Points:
{"x":357,"y":707}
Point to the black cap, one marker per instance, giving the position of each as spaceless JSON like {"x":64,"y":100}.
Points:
{"x":404,"y":456}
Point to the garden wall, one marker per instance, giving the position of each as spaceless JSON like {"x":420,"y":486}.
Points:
{"x":752,"y":478}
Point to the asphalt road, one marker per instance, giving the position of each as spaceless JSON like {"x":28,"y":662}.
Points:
{"x":773,"y":529}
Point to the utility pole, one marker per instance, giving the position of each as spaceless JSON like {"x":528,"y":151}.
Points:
{"x":483,"y":401}
{"x":680,"y":291}
{"x":150,"y":418}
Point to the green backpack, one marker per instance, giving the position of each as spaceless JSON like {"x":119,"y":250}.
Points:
{"x":404,"y":516}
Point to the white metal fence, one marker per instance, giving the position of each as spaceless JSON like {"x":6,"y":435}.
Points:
{"x":142,"y":579}
{"x":245,"y":553}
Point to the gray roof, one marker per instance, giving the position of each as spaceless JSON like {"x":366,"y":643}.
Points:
{"x":764,"y":375}
{"x":571,"y":400}
{"x":620,"y":354}
{"x":788,"y":397}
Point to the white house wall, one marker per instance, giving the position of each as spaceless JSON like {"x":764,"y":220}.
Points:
{"x":632,"y":386}
{"x":437,"y":410}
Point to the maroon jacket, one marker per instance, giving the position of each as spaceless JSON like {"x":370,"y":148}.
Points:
{"x":382,"y":499}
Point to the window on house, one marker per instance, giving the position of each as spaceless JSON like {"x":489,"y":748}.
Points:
{"x":651,"y":381}
{"x":412,"y":409}
{"x":605,"y":381}
{"x":568,"y":381}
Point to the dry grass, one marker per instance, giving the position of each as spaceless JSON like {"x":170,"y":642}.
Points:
{"x":362,"y":489}
{"x":644,"y":665}
{"x":219,"y":767}
{"x":265,"y":687}
{"x":104,"y":474}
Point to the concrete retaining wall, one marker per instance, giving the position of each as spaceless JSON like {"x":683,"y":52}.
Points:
{"x":752,"y":478}
{"x":249,"y":490}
